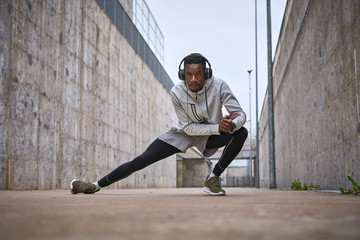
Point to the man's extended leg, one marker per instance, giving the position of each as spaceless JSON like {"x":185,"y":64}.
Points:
{"x":233,"y":144}
{"x":156,"y":151}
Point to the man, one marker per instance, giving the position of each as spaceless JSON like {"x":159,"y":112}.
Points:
{"x":198,"y":100}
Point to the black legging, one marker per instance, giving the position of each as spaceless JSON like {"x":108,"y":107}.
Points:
{"x":233,"y":144}
{"x":159,"y":150}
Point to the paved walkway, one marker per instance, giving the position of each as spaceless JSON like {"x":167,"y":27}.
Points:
{"x":182,"y":213}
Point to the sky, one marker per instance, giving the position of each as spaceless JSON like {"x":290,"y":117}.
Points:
{"x":224,"y":32}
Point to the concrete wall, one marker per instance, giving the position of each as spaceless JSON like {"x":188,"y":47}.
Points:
{"x":192,"y":172}
{"x":316,"y":96}
{"x":75,"y":100}
{"x":237,"y":177}
{"x":264,"y":176}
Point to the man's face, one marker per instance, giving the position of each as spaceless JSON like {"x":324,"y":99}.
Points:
{"x":194,"y":76}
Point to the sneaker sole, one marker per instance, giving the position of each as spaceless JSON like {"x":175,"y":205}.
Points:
{"x":71,"y":186}
{"x":207,"y":190}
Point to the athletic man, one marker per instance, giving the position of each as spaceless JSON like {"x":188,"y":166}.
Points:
{"x":198,"y":100}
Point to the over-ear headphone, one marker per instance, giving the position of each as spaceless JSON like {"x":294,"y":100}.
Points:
{"x":207,"y":73}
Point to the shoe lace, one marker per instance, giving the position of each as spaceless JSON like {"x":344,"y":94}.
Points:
{"x":216,"y":181}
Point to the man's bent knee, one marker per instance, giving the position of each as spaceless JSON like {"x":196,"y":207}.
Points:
{"x":243,"y":132}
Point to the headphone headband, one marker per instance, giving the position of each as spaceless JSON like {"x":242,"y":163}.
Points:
{"x":207,"y":72}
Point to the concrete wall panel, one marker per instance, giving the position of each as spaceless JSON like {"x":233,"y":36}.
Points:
{"x":76,"y":99}
{"x":316,"y":95}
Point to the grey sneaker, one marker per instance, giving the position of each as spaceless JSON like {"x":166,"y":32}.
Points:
{"x":77,"y":186}
{"x":212,"y":186}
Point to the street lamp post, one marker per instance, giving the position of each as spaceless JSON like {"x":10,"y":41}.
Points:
{"x":251,"y":183}
{"x":257,"y":159}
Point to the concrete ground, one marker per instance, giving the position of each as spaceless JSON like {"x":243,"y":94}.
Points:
{"x":181,"y":213}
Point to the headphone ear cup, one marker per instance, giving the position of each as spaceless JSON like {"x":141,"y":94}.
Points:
{"x":208,"y":73}
{"x":181,"y":74}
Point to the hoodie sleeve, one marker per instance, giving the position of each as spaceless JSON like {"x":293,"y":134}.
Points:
{"x":190,"y":127}
{"x":232,"y":105}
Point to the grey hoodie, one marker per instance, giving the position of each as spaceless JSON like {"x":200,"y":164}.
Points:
{"x":200,"y":113}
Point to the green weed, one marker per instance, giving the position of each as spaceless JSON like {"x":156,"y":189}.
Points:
{"x":355,"y":185}
{"x":297,"y":186}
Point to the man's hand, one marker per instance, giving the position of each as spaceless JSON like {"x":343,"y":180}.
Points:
{"x":232,"y":116}
{"x":226,"y":124}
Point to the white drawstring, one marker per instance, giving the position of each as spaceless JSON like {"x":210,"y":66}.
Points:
{"x":207,"y":107}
